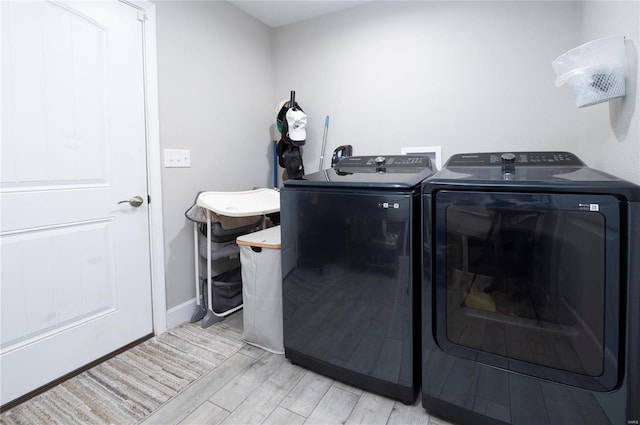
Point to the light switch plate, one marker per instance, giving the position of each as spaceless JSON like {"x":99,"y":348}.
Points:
{"x":176,"y":158}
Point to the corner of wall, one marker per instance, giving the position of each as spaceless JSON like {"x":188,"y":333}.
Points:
{"x":609,"y":136}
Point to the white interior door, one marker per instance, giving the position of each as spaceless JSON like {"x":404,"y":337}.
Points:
{"x":75,"y":263}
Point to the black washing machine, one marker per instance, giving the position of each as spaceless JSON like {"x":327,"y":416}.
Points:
{"x":531,"y":282}
{"x":351,"y":272}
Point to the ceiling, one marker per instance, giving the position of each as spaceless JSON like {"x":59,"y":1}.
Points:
{"x":284,"y":12}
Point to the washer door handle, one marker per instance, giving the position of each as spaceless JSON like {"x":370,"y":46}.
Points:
{"x":135,"y":202}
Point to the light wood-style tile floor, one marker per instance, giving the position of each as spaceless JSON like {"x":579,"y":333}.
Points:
{"x":254,"y":386}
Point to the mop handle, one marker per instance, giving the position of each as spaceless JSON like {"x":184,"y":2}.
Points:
{"x":324,"y":141}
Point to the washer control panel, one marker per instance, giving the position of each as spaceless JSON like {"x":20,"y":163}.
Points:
{"x":515,"y":158}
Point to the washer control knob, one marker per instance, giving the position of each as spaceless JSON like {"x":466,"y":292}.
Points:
{"x":380,"y":160}
{"x":508,"y":158}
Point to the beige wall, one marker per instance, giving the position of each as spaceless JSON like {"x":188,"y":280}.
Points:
{"x":467,"y":76}
{"x":215,"y":76}
{"x":609,"y":132}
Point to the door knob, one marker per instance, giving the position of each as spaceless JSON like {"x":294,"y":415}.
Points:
{"x":135,"y":202}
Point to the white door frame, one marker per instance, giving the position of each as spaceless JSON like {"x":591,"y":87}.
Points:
{"x":154,"y":182}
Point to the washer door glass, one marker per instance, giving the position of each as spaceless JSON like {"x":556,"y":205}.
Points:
{"x":529,"y":282}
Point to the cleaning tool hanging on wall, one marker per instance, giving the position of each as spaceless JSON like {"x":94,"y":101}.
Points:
{"x":275,"y":163}
{"x":595,"y":71}
{"x":324,"y":141}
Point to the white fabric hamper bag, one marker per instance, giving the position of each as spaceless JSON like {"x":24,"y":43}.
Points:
{"x":260,"y":260}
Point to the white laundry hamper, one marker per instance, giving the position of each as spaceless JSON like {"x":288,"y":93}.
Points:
{"x":261,"y":265}
{"x":594,"y":72}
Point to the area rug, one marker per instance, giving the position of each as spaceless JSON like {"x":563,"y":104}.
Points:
{"x":127,"y":388}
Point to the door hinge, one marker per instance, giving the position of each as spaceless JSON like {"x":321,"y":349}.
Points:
{"x":142,"y":16}
{"x":148,"y":199}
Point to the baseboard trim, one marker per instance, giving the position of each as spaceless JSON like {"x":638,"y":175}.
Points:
{"x":181,"y":313}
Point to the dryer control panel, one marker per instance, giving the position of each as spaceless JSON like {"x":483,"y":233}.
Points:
{"x":490,"y":159}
